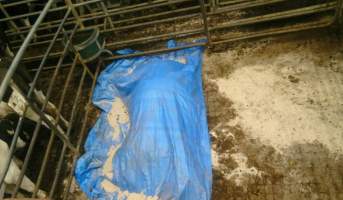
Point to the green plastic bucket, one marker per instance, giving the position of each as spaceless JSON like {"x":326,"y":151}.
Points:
{"x":89,"y":44}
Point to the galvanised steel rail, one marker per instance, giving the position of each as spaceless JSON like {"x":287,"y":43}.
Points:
{"x":124,"y":18}
{"x":53,"y":125}
{"x":194,"y":11}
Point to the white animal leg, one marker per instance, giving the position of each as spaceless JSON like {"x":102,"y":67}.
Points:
{"x":26,"y":184}
{"x":13,"y":173}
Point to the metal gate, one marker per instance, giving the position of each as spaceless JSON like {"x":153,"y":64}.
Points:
{"x":42,"y":40}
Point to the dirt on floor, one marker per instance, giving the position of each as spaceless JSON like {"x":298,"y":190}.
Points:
{"x":274,"y":111}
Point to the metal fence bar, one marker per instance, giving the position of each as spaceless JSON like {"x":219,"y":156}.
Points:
{"x":52,"y":136}
{"x":154,"y":38}
{"x":133,"y":8}
{"x":113,"y":12}
{"x":33,"y":13}
{"x":129,"y":20}
{"x":50,"y":67}
{"x":251,"y":4}
{"x":258,"y":19}
{"x":276,"y":31}
{"x":151,"y":23}
{"x":16,"y":3}
{"x":159,"y":51}
{"x":223,"y":3}
{"x":205,"y":23}
{"x":12,"y":23}
{"x":39,"y":123}
{"x":52,"y":81}
{"x":64,"y":139}
{"x":279,"y":15}
{"x":133,"y":41}
{"x":8,"y":76}
{"x":75,"y":13}
{"x":120,"y":28}
{"x":43,"y":26}
{"x":72,"y":118}
{"x":339,"y":12}
{"x":82,"y":133}
{"x":22,"y":49}
{"x":105,"y":10}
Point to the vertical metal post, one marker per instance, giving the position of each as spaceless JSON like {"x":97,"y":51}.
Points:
{"x":339,"y":13}
{"x":3,"y":10}
{"x":106,"y":13}
{"x":64,"y":148}
{"x":22,"y":49}
{"x":8,"y":77}
{"x":204,"y":18}
{"x":39,"y":123}
{"x":82,"y":133}
{"x":52,"y":136}
{"x":75,"y":13}
{"x":212,"y":5}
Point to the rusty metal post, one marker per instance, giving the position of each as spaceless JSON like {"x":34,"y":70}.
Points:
{"x":204,"y":18}
{"x":14,"y":26}
{"x":70,"y":4}
{"x":339,"y":13}
{"x":103,"y":7}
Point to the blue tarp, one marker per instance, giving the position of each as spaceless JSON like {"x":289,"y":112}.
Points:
{"x":165,"y":151}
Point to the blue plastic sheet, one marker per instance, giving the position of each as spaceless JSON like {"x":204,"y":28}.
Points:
{"x":165,"y":151}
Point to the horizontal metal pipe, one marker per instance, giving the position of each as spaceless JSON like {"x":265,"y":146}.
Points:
{"x":32,"y":14}
{"x":307,"y":10}
{"x":224,"y":3}
{"x":121,"y":11}
{"x":279,"y":15}
{"x":138,"y":25}
{"x":239,"y":6}
{"x":46,"y":68}
{"x":52,"y":55}
{"x":111,"y":13}
{"x":42,"y":116}
{"x":245,"y":5}
{"x":131,"y":42}
{"x":37,"y":43}
{"x":112,"y":45}
{"x":43,"y":26}
{"x":136,"y":7}
{"x":275,"y":31}
{"x":159,"y":51}
{"x":156,"y":15}
{"x":155,"y":38}
{"x":124,"y":21}
{"x":84,"y":16}
{"x":151,"y":23}
{"x":16,"y":3}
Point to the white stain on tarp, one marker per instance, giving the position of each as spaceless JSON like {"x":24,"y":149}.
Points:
{"x":124,"y":194}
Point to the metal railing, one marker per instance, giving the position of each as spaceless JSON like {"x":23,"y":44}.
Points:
{"x":56,"y":132}
{"x":112,"y":19}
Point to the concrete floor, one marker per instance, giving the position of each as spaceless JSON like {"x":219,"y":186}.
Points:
{"x":275,"y":112}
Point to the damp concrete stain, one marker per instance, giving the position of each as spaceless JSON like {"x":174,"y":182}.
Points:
{"x":246,"y":165}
